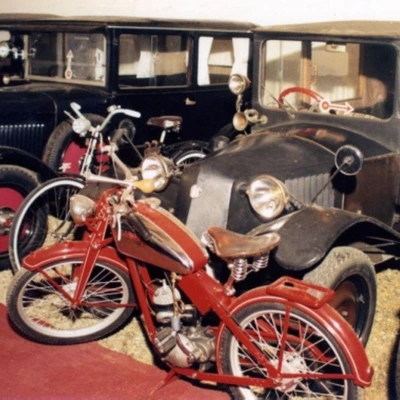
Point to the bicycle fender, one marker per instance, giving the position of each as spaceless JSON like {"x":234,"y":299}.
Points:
{"x":325,"y":315}
{"x":69,"y":250}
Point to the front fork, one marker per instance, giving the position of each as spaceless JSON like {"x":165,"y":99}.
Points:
{"x":81,"y":274}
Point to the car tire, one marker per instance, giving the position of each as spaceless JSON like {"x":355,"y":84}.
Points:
{"x":15,"y":184}
{"x":64,"y":148}
{"x":351,"y":274}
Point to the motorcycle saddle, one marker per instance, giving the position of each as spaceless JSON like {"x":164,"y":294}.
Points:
{"x":230,"y":245}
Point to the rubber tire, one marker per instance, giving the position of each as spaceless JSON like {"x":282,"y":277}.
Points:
{"x":61,"y":138}
{"x":21,"y":180}
{"x":341,"y":264}
{"x":224,"y":352}
{"x":38,"y":237}
{"x":21,"y":279}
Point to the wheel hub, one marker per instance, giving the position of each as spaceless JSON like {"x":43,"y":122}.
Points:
{"x":6,"y":218}
{"x":293,"y":363}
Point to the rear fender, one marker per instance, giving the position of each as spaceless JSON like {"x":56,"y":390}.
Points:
{"x":21,"y":158}
{"x":69,"y":250}
{"x":320,"y":312}
{"x":308,"y":235}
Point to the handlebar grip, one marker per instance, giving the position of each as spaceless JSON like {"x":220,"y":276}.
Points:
{"x":137,"y":225}
{"x":132,"y":113}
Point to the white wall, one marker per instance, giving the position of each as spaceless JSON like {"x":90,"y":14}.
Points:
{"x":264,"y":12}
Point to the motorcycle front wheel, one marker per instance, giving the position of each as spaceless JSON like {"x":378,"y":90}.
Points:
{"x":308,"y":348}
{"x":43,"y":218}
{"x":40,"y":310}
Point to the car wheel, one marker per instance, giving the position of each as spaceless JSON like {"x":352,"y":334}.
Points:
{"x":15,"y":184}
{"x":352,"y":275}
{"x":65,"y":149}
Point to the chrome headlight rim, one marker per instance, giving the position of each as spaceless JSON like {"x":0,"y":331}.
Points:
{"x":156,"y":168}
{"x":238,"y":83}
{"x":81,"y":207}
{"x":81,"y":126}
{"x":6,"y":50}
{"x":268,"y":196}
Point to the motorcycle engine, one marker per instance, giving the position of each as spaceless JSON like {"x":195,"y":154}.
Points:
{"x":180,"y":345}
{"x":183,"y":349}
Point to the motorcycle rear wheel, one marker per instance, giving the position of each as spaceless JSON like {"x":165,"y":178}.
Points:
{"x":312,"y":350}
{"x":44,"y":314}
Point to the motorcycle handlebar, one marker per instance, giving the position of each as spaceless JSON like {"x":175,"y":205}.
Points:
{"x":130,"y":113}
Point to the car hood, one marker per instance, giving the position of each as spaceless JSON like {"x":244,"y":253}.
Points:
{"x":213,"y":191}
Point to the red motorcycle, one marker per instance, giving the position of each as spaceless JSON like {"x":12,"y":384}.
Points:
{"x":276,"y":341}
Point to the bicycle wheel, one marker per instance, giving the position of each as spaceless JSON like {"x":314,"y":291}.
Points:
{"x":308,"y":348}
{"x":43,"y":218}
{"x":41,"y":311}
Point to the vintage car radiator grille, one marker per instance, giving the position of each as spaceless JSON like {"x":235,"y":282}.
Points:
{"x":28,"y":137}
{"x":306,"y":187}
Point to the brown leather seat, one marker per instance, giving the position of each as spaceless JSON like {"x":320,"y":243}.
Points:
{"x":227,"y":244}
{"x":166,"y":121}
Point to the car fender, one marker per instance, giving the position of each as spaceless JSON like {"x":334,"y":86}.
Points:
{"x":21,"y":158}
{"x":69,"y":250}
{"x":321,"y":312}
{"x":308,"y":235}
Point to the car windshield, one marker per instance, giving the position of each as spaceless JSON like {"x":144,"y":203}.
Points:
{"x":60,"y":56}
{"x":345,"y":79}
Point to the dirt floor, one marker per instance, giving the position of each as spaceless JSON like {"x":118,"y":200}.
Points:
{"x":381,"y":348}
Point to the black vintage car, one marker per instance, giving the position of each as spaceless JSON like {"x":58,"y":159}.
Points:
{"x":322,"y":163}
{"x":157,"y":67}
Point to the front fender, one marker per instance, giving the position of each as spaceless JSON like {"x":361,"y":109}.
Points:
{"x":308,"y":234}
{"x":69,"y":250}
{"x":21,"y":158}
{"x":322,"y":313}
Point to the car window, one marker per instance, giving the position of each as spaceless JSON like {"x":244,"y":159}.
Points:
{"x":77,"y":57}
{"x":153,"y":60}
{"x":350,"y":79}
{"x":218,"y":58}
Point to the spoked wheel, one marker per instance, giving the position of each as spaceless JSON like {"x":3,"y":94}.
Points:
{"x":184,"y":153}
{"x":351,"y":274}
{"x":40,"y":304}
{"x":307,"y":348}
{"x":15,"y":184}
{"x":43,"y":218}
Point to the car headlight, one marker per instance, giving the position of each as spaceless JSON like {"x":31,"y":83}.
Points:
{"x":158,"y":169}
{"x":268,"y":196}
{"x":81,"y":207}
{"x":238,"y":83}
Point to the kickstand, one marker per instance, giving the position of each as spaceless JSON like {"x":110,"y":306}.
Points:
{"x":171,"y":377}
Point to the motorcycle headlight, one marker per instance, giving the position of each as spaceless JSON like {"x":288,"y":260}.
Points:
{"x":81,"y":126}
{"x":238,"y":83}
{"x":157,"y":169}
{"x":81,"y":207}
{"x":268,"y":196}
{"x":6,"y":49}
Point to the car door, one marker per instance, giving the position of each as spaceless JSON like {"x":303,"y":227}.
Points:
{"x":154,"y":71}
{"x":211,"y":105}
